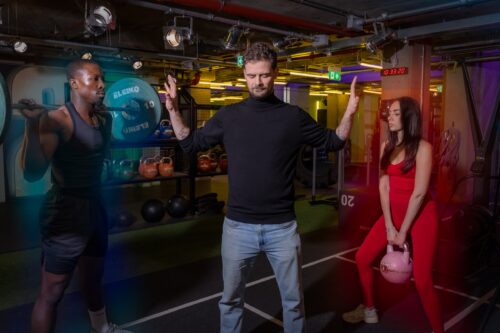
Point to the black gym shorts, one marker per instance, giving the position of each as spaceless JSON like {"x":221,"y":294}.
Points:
{"x":71,"y":226}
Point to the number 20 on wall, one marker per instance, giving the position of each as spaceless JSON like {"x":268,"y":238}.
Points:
{"x":347,"y":200}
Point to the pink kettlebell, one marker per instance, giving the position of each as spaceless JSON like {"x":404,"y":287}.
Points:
{"x":396,"y":266}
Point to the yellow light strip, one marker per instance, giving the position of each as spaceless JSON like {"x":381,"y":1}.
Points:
{"x":300,"y":55}
{"x":370,"y":65}
{"x":227,"y":98}
{"x":372,"y":92}
{"x":220,"y":85}
{"x":324,"y":76}
{"x":337,"y":92}
{"x":279,"y":83}
{"x":318,"y":94}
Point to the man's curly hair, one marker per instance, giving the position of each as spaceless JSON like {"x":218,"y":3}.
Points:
{"x":261,"y":51}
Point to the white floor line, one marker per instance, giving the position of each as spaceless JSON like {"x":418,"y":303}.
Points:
{"x":451,"y":291}
{"x":462,"y":314}
{"x":345,"y":259}
{"x":210,"y":297}
{"x":338,"y":255}
{"x":468,"y":310}
{"x":264,"y":315}
{"x":171,"y":310}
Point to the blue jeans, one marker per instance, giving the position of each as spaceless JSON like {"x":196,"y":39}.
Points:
{"x":241,"y":243}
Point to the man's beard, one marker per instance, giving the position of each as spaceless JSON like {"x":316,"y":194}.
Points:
{"x":266,"y":94}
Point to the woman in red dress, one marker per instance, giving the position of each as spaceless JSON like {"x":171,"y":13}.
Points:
{"x":408,"y":212}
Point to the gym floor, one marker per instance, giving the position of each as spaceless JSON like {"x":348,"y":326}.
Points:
{"x":167,"y":279}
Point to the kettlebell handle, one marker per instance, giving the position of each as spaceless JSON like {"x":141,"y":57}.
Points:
{"x":406,"y":248}
{"x":406,"y":253}
{"x":166,"y":159}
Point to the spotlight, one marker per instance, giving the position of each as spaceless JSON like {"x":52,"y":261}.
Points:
{"x":175,"y":36}
{"x":20,"y":46}
{"x":378,"y":41}
{"x":103,"y":15}
{"x":86,"y":56}
{"x":233,"y":37}
{"x":99,"y":20}
{"x":285,"y":42}
{"x":136,"y":65}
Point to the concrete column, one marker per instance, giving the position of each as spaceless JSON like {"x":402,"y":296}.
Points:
{"x":415,"y":84}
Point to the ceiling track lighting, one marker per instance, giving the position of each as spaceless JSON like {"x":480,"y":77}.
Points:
{"x":20,"y":46}
{"x":137,"y":65}
{"x":175,"y":36}
{"x":86,"y":56}
{"x":232,"y":41}
{"x":380,"y":38}
{"x":285,"y":42}
{"x":100,"y":19}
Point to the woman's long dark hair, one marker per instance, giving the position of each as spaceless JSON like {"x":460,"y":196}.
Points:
{"x":411,"y":120}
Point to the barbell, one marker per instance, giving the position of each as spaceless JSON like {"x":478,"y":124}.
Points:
{"x":49,"y":107}
{"x":134,"y":106}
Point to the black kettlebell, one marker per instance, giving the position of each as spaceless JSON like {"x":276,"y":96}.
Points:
{"x":153,"y":211}
{"x":177,"y":206}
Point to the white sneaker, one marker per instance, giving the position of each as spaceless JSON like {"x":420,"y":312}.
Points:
{"x":113,"y":328}
{"x":360,"y":314}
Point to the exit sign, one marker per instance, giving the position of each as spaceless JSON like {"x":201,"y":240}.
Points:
{"x":240,"y":60}
{"x":334,"y":73}
{"x":394,"y":71}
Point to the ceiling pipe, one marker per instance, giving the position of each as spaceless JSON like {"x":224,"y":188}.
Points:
{"x":410,"y":13}
{"x":330,"y":9}
{"x":474,"y":45}
{"x":256,"y":14}
{"x":407,"y":34}
{"x":211,"y":17}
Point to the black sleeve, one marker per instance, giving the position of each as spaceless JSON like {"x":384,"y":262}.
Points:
{"x":314,"y":134}
{"x":205,"y":137}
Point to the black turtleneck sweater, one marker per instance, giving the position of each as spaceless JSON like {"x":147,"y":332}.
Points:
{"x":262,"y":139}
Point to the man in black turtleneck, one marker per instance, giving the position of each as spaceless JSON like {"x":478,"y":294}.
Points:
{"x":262,"y":136}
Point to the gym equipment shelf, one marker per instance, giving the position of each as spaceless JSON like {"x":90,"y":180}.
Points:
{"x":189,"y":109}
{"x":169,"y":143}
{"x":141,"y":179}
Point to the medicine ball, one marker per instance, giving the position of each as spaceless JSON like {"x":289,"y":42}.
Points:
{"x":153,"y":211}
{"x":177,"y":206}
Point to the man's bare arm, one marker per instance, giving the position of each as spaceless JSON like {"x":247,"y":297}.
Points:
{"x":344,"y":128}
{"x":39,"y":145}
{"x":172,"y":105}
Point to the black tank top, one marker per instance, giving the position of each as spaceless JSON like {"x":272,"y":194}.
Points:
{"x":77,"y":163}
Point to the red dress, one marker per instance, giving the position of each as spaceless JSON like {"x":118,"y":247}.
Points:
{"x":423,"y":233}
